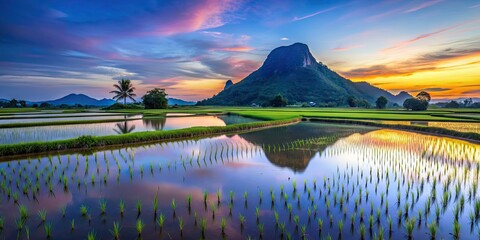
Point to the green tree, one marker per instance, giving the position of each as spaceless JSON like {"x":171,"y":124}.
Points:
{"x":45,"y":105}
{"x":381,"y":102}
{"x":351,"y":101}
{"x":278,"y":101}
{"x":424,"y":96}
{"x":124,"y":89}
{"x":452,"y":104}
{"x":155,"y":99}
{"x":362,"y":103}
{"x":415,"y":104}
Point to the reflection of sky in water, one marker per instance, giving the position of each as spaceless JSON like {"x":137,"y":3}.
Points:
{"x":456,"y":126}
{"x":233,"y":163}
{"x":61,"y":119}
{"x":58,"y":132}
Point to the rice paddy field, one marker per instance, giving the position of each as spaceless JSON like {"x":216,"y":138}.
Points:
{"x":456,"y":126}
{"x":302,"y":181}
{"x":132,"y":123}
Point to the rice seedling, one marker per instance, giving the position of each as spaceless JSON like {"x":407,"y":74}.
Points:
{"x":456,"y":230}
{"x":242,"y":220}
{"x":432,"y":227}
{"x":174,"y":206}
{"x":139,"y":226}
{"x":223,"y":224}
{"x":19,"y":223}
{"x":83,"y":210}
{"x":42,"y":214}
{"x":91,"y":235}
{"x":362,"y":231}
{"x":409,"y":227}
{"x":260,"y":230}
{"x":155,"y":204}
{"x":189,"y":201}
{"x":180,"y":225}
{"x":103,"y":206}
{"x":203,"y":226}
{"x":23,"y":212}
{"x":48,"y":230}
{"x":139,"y":207}
{"x":72,"y":224}
{"x":121,"y":206}
{"x":63,"y":211}
{"x":115,"y":231}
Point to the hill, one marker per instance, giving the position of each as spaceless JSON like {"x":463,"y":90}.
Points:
{"x":73,"y":99}
{"x":176,"y":101}
{"x":293,"y":72}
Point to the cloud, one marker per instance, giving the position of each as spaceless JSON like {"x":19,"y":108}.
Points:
{"x":424,"y":62}
{"x":475,"y":6}
{"x":477,"y":91}
{"x":346,"y":48}
{"x":115,"y":73}
{"x":417,"y":38}
{"x":432,"y":89}
{"x":183,"y":17}
{"x":284,"y":39}
{"x":314,"y":14}
{"x":422,"y":6}
{"x":235,"y":49}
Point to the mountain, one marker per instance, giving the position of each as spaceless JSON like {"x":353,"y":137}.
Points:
{"x":228,"y":84}
{"x":73,"y":99}
{"x":293,"y":72}
{"x":176,"y":101}
{"x":376,"y":92}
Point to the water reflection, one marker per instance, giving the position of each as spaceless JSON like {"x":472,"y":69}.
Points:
{"x":124,"y":127}
{"x":297,"y":159}
{"x":456,"y":126}
{"x":156,"y":123}
{"x":313,"y":171}
{"x":58,"y":132}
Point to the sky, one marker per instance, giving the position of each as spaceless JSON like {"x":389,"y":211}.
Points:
{"x":49,"y":49}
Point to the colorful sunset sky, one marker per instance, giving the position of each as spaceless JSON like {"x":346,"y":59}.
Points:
{"x":49,"y":49}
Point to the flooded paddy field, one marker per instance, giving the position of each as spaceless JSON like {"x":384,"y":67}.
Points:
{"x":308,"y":180}
{"x":456,"y":126}
{"x":58,"y":132}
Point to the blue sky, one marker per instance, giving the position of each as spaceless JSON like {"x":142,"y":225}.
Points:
{"x":51,"y":48}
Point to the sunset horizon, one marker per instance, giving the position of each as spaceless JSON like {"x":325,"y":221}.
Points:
{"x":53,"y":49}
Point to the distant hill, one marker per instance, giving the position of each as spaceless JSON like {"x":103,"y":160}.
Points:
{"x":82,"y":99}
{"x":376,"y":92}
{"x":173,"y":101}
{"x":293,"y":72}
{"x":73,"y":99}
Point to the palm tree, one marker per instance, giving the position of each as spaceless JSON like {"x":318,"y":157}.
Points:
{"x":123,"y":128}
{"x":124,"y":90}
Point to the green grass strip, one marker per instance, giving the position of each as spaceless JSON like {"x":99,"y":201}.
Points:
{"x":89,"y":142}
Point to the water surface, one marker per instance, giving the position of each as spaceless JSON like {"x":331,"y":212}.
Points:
{"x":314,"y":171}
{"x":58,"y":132}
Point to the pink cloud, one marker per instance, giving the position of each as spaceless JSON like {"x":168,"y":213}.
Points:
{"x":235,"y":49}
{"x":346,"y":48}
{"x":422,"y":6}
{"x":418,"y":38}
{"x":194,"y":16}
